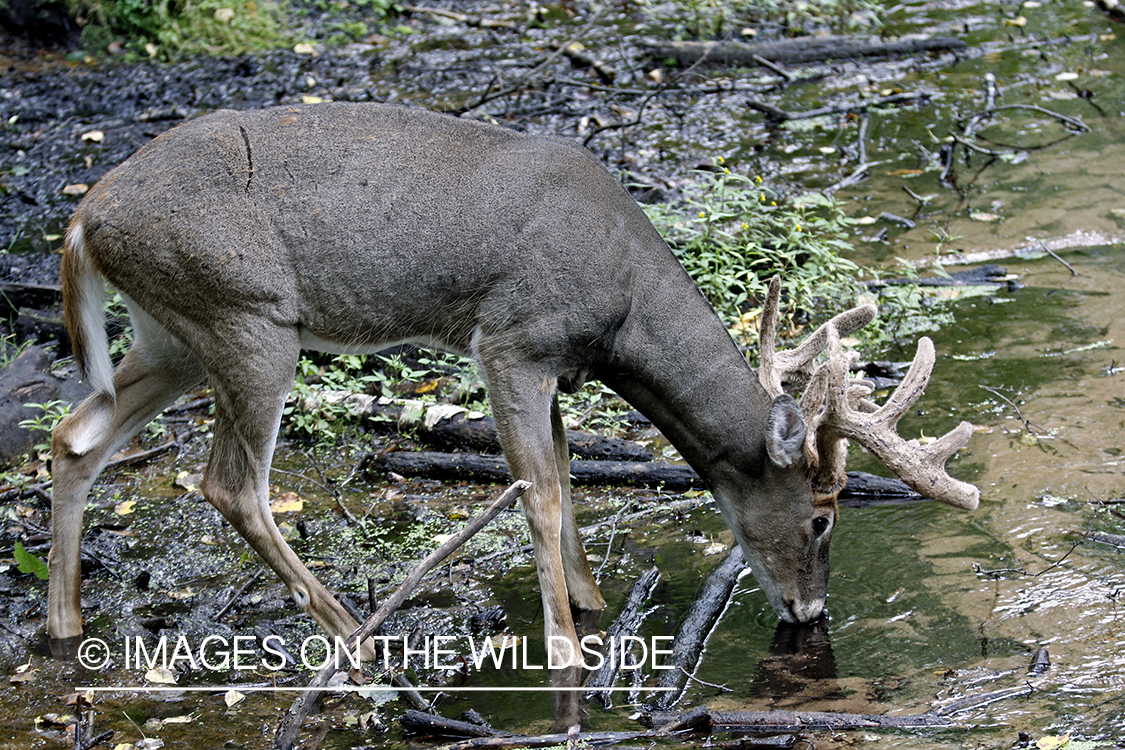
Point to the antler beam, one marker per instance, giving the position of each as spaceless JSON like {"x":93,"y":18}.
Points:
{"x":920,"y":466}
{"x":795,"y":366}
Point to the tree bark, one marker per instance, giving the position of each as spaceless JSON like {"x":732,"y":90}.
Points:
{"x":796,"y":51}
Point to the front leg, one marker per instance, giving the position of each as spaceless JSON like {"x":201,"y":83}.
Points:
{"x":580,"y":582}
{"x":522,"y":398}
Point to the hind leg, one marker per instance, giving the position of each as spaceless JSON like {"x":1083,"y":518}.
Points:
{"x":247,"y":417}
{"x":152,"y":375}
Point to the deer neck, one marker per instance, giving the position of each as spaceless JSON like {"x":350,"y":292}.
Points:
{"x":676,"y":363}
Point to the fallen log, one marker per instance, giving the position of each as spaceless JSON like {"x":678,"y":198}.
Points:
{"x":420,"y":723}
{"x":627,"y":623}
{"x":791,"y":721}
{"x":696,"y":627}
{"x":451,"y":427}
{"x":795,"y":51}
{"x":861,"y":490}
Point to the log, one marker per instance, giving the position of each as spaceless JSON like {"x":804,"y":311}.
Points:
{"x":452,"y":427}
{"x":419,"y":723}
{"x":627,"y":623}
{"x":795,"y":51}
{"x":796,"y":721}
{"x":697,"y":625}
{"x":861,"y":490}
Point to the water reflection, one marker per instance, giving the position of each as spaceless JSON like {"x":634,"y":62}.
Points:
{"x":800,"y":668}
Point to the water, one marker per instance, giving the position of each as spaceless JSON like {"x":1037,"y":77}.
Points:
{"x":927,"y":603}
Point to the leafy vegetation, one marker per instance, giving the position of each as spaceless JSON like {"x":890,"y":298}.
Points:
{"x":176,"y":29}
{"x":733,"y":234}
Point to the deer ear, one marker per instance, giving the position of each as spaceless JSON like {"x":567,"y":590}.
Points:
{"x":785,"y":431}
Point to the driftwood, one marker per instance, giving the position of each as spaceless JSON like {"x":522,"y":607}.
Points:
{"x":456,"y":428}
{"x":421,"y":723}
{"x":1117,"y":540}
{"x":291,"y":724}
{"x":627,"y":623}
{"x":861,"y":490}
{"x":696,"y":626}
{"x":796,"y":51}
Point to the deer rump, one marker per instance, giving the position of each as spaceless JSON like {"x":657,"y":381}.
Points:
{"x":238,"y":239}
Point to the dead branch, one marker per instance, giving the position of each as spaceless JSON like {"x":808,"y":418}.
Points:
{"x":1117,"y":540}
{"x":778,"y":115}
{"x":696,"y":627}
{"x":795,"y":51}
{"x":291,"y":723}
{"x":627,"y":623}
{"x":796,"y":721}
{"x":861,"y":489}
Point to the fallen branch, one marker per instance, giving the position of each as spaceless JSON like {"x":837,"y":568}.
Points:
{"x":794,"y":721}
{"x":291,"y":723}
{"x":627,"y":623}
{"x":861,"y":489}
{"x":697,"y":625}
{"x":779,"y":115}
{"x":795,"y":51}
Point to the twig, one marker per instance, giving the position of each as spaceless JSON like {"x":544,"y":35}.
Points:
{"x":291,"y":724}
{"x":1055,"y":255}
{"x":997,"y":572}
{"x":238,"y":594}
{"x":996,"y":392}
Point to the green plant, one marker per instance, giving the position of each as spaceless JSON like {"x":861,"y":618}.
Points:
{"x":172,"y":29}
{"x":733,"y":234}
{"x":51,"y":413}
{"x":29,"y":563}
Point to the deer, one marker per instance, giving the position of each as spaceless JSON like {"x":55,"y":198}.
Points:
{"x":237,"y":239}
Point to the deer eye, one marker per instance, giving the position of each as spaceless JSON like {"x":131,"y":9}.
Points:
{"x":820,"y":525}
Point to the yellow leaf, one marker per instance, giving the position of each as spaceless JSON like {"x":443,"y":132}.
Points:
{"x":93,"y":136}
{"x":76,"y":189}
{"x":187,"y":719}
{"x":233,"y":697}
{"x":125,"y":507}
{"x":161,"y":676}
{"x":290,"y":502}
{"x":304,"y":48}
{"x":310,"y":99}
{"x":189,"y":481}
{"x":224,"y":15}
{"x":1052,"y":743}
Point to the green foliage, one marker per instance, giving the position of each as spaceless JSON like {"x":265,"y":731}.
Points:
{"x":733,"y":235}
{"x":51,"y":413}
{"x":173,"y":29}
{"x":29,"y":563}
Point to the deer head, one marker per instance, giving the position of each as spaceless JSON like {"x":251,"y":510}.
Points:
{"x":833,"y":408}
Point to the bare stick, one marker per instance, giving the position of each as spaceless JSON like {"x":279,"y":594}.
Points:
{"x":626,"y":623}
{"x":697,"y":625}
{"x":291,"y":724}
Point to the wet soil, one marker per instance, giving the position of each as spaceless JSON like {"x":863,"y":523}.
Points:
{"x":912,"y":619}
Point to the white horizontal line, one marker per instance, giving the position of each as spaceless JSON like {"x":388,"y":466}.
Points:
{"x":354,"y":689}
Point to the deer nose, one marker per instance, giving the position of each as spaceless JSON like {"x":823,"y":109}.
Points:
{"x":806,"y":611}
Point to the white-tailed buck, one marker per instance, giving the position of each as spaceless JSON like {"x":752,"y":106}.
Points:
{"x":240,"y":238}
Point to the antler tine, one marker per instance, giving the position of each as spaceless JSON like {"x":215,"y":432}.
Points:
{"x":920,"y":466}
{"x":795,"y":366}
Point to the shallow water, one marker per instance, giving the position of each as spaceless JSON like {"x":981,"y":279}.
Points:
{"x":916,"y":616}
